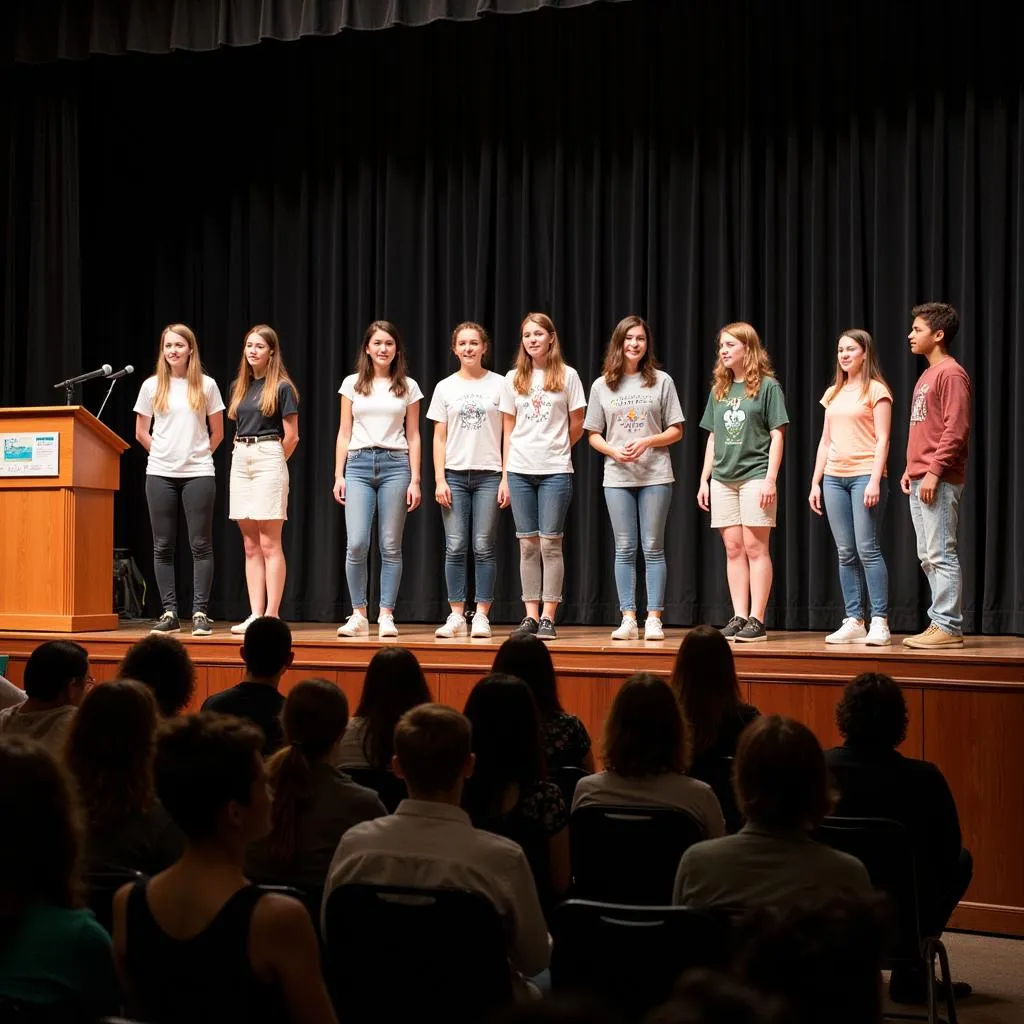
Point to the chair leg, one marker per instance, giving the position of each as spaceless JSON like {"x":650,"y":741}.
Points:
{"x":947,"y":980}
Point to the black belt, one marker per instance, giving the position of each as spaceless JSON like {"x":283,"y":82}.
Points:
{"x":256,"y":440}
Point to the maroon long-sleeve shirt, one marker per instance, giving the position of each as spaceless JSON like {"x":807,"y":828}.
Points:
{"x":940,"y":423}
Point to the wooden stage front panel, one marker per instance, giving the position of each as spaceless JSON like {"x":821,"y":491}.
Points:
{"x":966,"y":708}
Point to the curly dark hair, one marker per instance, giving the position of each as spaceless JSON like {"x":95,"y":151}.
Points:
{"x":162,"y":664}
{"x":872,"y":712}
{"x":939,"y":316}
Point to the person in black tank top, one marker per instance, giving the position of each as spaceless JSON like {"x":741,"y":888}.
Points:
{"x":198,"y":942}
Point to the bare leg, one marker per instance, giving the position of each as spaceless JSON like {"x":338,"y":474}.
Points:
{"x":737,"y":570}
{"x":255,"y":571}
{"x":275,"y":568}
{"x":755,"y":544}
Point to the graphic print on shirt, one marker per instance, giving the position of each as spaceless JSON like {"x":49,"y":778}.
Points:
{"x":735,"y":420}
{"x":535,"y":404}
{"x":919,"y":407}
{"x":473,"y":411}
{"x":631,"y":411}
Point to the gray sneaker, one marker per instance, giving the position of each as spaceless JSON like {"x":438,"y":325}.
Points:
{"x":732,"y":627}
{"x":546,"y":630}
{"x":201,"y":624}
{"x":752,"y":632}
{"x":167,"y":623}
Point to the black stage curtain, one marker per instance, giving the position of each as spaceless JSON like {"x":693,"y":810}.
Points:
{"x":692,"y":162}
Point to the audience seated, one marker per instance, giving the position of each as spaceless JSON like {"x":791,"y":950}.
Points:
{"x":709,"y":997}
{"x":508,"y":792}
{"x":430,"y":841}
{"x":110,"y":752}
{"x":645,"y":757}
{"x":315,"y":803}
{"x":162,"y":664}
{"x":56,"y":678}
{"x":782,"y":789}
{"x":394,"y":683}
{"x":198,"y":942}
{"x":267,"y":653}
{"x":566,"y":740}
{"x":52,"y":951}
{"x":874,"y":780}
{"x":10,"y":695}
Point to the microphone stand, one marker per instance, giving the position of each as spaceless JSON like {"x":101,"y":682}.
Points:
{"x":104,"y":405}
{"x":69,"y":390}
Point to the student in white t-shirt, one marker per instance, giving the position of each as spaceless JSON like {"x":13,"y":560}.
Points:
{"x":377,"y":469}
{"x":469,"y":486}
{"x":543,"y":404}
{"x":179,"y":420}
{"x":632,"y":417}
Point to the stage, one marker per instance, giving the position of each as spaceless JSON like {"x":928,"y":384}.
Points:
{"x":966,"y":707}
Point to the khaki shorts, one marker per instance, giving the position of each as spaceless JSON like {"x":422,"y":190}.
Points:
{"x":739,"y":505}
{"x":259,"y":482}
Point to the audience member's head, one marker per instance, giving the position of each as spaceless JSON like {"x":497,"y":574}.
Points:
{"x":433,"y":752}
{"x":57,"y":672}
{"x":529,"y":659}
{"x":780,"y":776}
{"x":162,"y":664}
{"x":110,"y":751}
{"x":211,"y":780}
{"x":822,"y":962}
{"x":314,"y":717}
{"x":394,"y":683}
{"x":506,"y":741}
{"x":39,"y":853}
{"x":267,"y":648}
{"x":705,"y":683}
{"x":709,"y":997}
{"x":644,"y":734}
{"x":872,"y":712}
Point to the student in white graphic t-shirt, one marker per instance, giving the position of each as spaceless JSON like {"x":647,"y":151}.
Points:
{"x":469,"y":485}
{"x":543,"y":404}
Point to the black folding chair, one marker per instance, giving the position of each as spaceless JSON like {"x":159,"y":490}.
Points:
{"x":566,"y":777}
{"x":886,"y":849}
{"x":403,"y":953}
{"x":629,"y":854}
{"x":631,"y":956}
{"x":100,"y":887}
{"x":388,"y":786}
{"x":310,"y":896}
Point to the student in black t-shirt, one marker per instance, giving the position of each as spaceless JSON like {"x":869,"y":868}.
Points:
{"x":267,"y":653}
{"x":265,"y":407}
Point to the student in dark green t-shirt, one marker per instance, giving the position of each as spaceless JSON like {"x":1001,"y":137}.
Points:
{"x":746,"y":419}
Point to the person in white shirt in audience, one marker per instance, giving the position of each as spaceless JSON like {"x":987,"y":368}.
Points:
{"x":10,"y":695}
{"x":430,"y":842}
{"x":645,"y":757}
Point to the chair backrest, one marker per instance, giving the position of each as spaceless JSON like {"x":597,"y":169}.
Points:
{"x":565,"y":777}
{"x":310,"y":896}
{"x":100,"y":887}
{"x":388,"y":786}
{"x":629,"y":854}
{"x":631,"y":956}
{"x":404,"y":953}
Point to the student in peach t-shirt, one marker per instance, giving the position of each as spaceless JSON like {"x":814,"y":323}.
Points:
{"x":852,"y":454}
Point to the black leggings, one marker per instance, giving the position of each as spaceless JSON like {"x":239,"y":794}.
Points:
{"x":197,"y":494}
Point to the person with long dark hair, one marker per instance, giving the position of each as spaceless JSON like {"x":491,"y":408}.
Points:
{"x":377,"y":469}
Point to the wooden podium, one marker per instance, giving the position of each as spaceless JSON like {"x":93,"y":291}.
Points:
{"x":57,"y":530}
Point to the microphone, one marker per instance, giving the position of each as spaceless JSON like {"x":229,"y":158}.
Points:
{"x":104,"y":371}
{"x":121,"y":373}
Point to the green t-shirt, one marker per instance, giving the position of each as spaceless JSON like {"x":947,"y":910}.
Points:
{"x":742,"y":427}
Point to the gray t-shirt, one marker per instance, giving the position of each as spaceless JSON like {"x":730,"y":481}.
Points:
{"x":628,"y":413}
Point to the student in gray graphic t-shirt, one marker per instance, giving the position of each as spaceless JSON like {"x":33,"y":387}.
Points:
{"x":632,"y":417}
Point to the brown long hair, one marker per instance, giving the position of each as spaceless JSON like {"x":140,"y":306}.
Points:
{"x":194,"y":373}
{"x":756,"y":364}
{"x":276,"y":374}
{"x":870,"y":371}
{"x":364,"y":365}
{"x":554,"y":368}
{"x":705,"y":684}
{"x":614,"y":366}
{"x":394,"y":683}
{"x":644,"y":733}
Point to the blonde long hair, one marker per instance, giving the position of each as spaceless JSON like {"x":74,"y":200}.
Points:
{"x":554,"y":369}
{"x":756,"y":364}
{"x":276,"y":374}
{"x":614,"y":366}
{"x":870,"y":371}
{"x":194,"y":373}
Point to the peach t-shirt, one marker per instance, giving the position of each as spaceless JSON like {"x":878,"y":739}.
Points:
{"x":851,"y":428}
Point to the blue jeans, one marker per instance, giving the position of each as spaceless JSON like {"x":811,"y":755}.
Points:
{"x":540,"y":502}
{"x":474,"y":506}
{"x":376,"y":480}
{"x":650,"y":504}
{"x":855,"y":528}
{"x":936,"y":526}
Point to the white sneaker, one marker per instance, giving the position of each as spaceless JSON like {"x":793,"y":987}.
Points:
{"x":627,"y":629}
{"x":481,"y":626}
{"x":455,"y":625}
{"x":653,"y":629}
{"x":357,"y":625}
{"x":241,"y":627}
{"x":850,"y":632}
{"x":878,"y":634}
{"x":386,"y":626}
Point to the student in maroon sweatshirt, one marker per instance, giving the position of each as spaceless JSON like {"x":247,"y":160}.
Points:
{"x":940,"y":425}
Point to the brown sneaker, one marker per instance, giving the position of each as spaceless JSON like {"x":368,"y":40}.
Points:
{"x":933,"y":637}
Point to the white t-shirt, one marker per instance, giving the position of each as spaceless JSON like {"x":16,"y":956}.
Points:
{"x":540,"y":439}
{"x":378,"y":419}
{"x":472,"y":411}
{"x":181,"y":438}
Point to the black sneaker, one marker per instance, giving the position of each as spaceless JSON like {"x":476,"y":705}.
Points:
{"x":167,"y":623}
{"x":546,"y":630}
{"x":201,"y":624}
{"x":732,"y":627}
{"x":528,"y":627}
{"x":752,"y":632}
